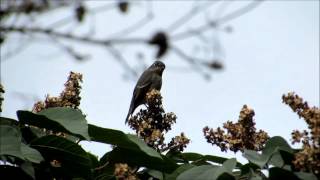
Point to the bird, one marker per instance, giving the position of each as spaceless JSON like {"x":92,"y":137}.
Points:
{"x":150,"y":79}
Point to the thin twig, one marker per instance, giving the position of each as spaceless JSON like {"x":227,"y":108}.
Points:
{"x":104,"y":42}
{"x":137,"y":25}
{"x":69,"y":50}
{"x":117,"y":55}
{"x":134,"y":27}
{"x":101,"y":167}
{"x":71,"y":18}
{"x":194,"y":62}
{"x":188,"y":16}
{"x":231,"y":16}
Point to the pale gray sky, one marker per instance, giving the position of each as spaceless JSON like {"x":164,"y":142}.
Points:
{"x":272,"y":50}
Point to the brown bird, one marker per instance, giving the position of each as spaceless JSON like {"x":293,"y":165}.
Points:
{"x":150,"y":79}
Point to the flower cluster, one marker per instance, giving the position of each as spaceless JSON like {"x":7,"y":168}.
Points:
{"x":152,"y":123}
{"x":70,"y":97}
{"x":308,"y":159}
{"x":238,"y":136}
{"x":1,"y":97}
{"x":178,"y":143}
{"x":124,"y":172}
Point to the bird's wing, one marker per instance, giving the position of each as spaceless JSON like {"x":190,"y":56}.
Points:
{"x":140,"y":89}
{"x":144,"y":80}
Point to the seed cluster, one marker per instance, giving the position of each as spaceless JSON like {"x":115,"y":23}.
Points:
{"x":152,"y":123}
{"x":308,"y":159}
{"x":70,"y":96}
{"x":124,"y":172}
{"x":237,"y":136}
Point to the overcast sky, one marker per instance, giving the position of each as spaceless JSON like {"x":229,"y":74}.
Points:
{"x":272,"y":50}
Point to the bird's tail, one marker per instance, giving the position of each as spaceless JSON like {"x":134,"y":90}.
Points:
{"x":130,"y":111}
{"x":127,"y":118}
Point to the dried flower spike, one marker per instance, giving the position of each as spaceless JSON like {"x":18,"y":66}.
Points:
{"x":238,"y":136}
{"x":70,"y":96}
{"x":308,"y":159}
{"x":152,"y":123}
{"x":124,"y":172}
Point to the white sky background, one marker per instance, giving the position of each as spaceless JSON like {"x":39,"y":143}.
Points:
{"x":272,"y":50}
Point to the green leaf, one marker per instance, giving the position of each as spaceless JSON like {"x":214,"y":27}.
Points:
{"x":9,"y":122}
{"x":255,"y":157}
{"x":305,"y":176}
{"x":178,"y":171}
{"x":74,"y":160}
{"x":143,"y":146}
{"x":229,"y":165}
{"x":192,"y":156}
{"x":139,"y":158}
{"x":204,"y":172}
{"x":31,"y":154}
{"x":209,"y":172}
{"x":155,"y":174}
{"x":276,"y":173}
{"x":248,"y":168}
{"x":198,"y":157}
{"x":276,"y":142}
{"x":58,"y":119}
{"x":120,"y":139}
{"x":10,"y":140}
{"x":28,"y":169}
{"x":13,"y":172}
{"x":272,"y":153}
{"x":94,"y":159}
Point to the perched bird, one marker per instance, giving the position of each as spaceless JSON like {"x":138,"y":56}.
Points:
{"x":150,"y":79}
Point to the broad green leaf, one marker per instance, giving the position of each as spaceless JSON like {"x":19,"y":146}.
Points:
{"x":10,"y":141}
{"x":143,"y":146}
{"x":276,"y":142}
{"x":197,"y":157}
{"x":28,"y":169}
{"x":192,"y":156}
{"x":271,"y":153}
{"x":247,"y":168}
{"x":8,"y":121}
{"x":31,"y":154}
{"x":140,"y":158}
{"x":155,"y":174}
{"x":209,"y":172}
{"x":94,"y":159}
{"x":58,"y":119}
{"x":305,"y":176}
{"x":204,"y":172}
{"x":178,"y":171}
{"x":74,"y":160}
{"x":256,"y":158}
{"x":120,"y":139}
{"x":276,"y":173}
{"x":14,"y":173}
{"x":229,"y":165}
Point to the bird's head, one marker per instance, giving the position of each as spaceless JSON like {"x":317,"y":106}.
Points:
{"x":158,"y":66}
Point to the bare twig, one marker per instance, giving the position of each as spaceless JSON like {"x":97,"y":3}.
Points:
{"x":101,"y":167}
{"x":188,"y":16}
{"x":104,"y":42}
{"x":233,"y":15}
{"x":69,"y":50}
{"x":134,"y":27}
{"x":137,"y":25}
{"x":115,"y":53}
{"x":194,"y":62}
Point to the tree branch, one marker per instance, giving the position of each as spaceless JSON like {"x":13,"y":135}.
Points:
{"x":45,"y":31}
{"x":233,"y":15}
